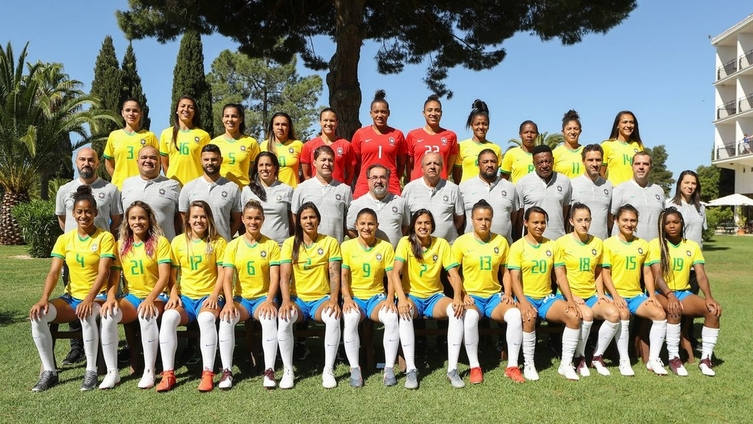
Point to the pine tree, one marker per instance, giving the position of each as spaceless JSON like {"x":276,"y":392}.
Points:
{"x":131,"y":85}
{"x":106,"y":87}
{"x":189,"y":79}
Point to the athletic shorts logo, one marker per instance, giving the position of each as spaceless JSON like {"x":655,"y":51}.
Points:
{"x":379,"y":256}
{"x":94,"y":247}
{"x":640,"y":251}
{"x":291,"y":150}
{"x":162,"y":191}
{"x":143,"y":141}
{"x":549,"y":253}
{"x":101,"y":195}
{"x":559,"y":188}
{"x":224,"y":194}
{"x":243,"y":148}
{"x":196,"y":139}
{"x":593,"y":252}
{"x":435,"y":258}
{"x":504,"y":193}
{"x":320,"y":251}
{"x":392,"y":140}
{"x":606,"y":192}
{"x":394,"y":209}
{"x":496,"y":250}
{"x":687,"y":252}
{"x":263,"y":254}
{"x":339,"y":151}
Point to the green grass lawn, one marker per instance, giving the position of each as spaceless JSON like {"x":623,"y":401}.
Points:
{"x":644,"y":398}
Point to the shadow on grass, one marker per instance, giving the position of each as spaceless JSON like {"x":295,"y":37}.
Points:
{"x":11,"y":317}
{"x":712,"y":247}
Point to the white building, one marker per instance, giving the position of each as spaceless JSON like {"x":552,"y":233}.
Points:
{"x":733,"y":100}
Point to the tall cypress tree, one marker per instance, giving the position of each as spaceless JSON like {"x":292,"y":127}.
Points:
{"x":106,"y":86}
{"x":131,"y":85}
{"x":189,"y":79}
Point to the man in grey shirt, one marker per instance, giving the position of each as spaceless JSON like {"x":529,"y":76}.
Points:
{"x":222,"y":195}
{"x":392,"y":213}
{"x":490,"y":186}
{"x":594,"y":191}
{"x":330,"y":196}
{"x":647,"y":198}
{"x":157,"y":191}
{"x":440,"y":196}
{"x":547,"y":189}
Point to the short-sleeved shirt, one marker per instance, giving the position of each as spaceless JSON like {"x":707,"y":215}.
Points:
{"x":421,"y":278}
{"x":618,"y":158}
{"x":444,"y":201}
{"x":682,"y":257}
{"x":419,"y":142}
{"x":580,"y":261}
{"x":252,"y":263}
{"x":367,"y":266}
{"x":392,"y":213}
{"x":184,"y":155}
{"x":625,"y":261}
{"x":649,"y":201}
{"x":276,"y":209}
{"x":82,"y":255}
{"x":141,"y":269}
{"x":499,"y":194}
{"x":237,"y":157}
{"x":311,"y":272}
{"x":288,"y":155}
{"x":371,"y":148}
{"x":598,"y":197}
{"x":332,"y":199}
{"x":223,"y":197}
{"x":123,"y":148}
{"x":535,"y":265}
{"x":467,"y":158}
{"x":694,"y":219}
{"x":532,"y":190}
{"x":518,"y":163}
{"x":567,"y":161}
{"x":345,"y":161}
{"x":160,"y":193}
{"x":481,"y":262}
{"x":105,"y":194}
{"x":197,"y":262}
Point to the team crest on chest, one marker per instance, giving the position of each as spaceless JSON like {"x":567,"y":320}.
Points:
{"x":435,"y":258}
{"x":657,"y":197}
{"x":243,"y":148}
{"x":593,"y":252}
{"x":320,"y":251}
{"x":263,"y":254}
{"x":279,"y":198}
{"x":503,"y":193}
{"x":196,"y":139}
{"x":606,"y":192}
{"x":94,"y":247}
{"x":379,"y":256}
{"x":101,"y":195}
{"x":291,"y":150}
{"x":392,"y":140}
{"x":496,"y":250}
{"x":338,"y":196}
{"x":446,"y":198}
{"x":687,"y":252}
{"x":443,"y":140}
{"x":640,"y":251}
{"x":224,"y":194}
{"x":559,"y":188}
{"x":549,"y":253}
{"x":143,"y":141}
{"x":162,"y":191}
{"x":394,"y":209}
{"x":339,"y":151}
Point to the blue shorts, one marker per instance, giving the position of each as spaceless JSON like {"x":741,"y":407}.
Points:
{"x":425,"y":305}
{"x":136,"y":301}
{"x":487,"y":304}
{"x":682,"y":294}
{"x":250,"y":304}
{"x":74,"y":302}
{"x":193,"y":306}
{"x":366,"y":306}
{"x":591,"y":301}
{"x":635,"y":302}
{"x":308,"y":309}
{"x":543,"y":304}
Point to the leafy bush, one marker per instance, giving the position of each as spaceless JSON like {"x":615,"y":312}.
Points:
{"x":39,"y":226}
{"x":714,"y":217}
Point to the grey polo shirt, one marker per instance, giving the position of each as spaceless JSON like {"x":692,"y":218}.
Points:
{"x":500,"y":195}
{"x":392,"y":214}
{"x":598,"y":197}
{"x":552,"y":197}
{"x":105,"y":194}
{"x":649,"y":201}
{"x":276,"y":209}
{"x":444,"y":201}
{"x":223,"y":196}
{"x":332,"y":199}
{"x":695,"y":220}
{"x":160,"y":193}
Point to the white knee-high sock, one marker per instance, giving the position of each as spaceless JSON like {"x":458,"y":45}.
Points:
{"x":656,"y":338}
{"x":408,"y":342}
{"x":529,"y":347}
{"x":570,"y":337}
{"x":585,"y":331}
{"x":207,"y":339}
{"x":227,"y":341}
{"x":454,"y":338}
{"x":470,"y":334}
{"x":168,"y":338}
{"x":90,"y":333}
{"x":673,"y":340}
{"x":269,"y":340}
{"x":350,"y":336}
{"x":391,"y":337}
{"x":331,"y":339}
{"x":606,"y":333}
{"x":285,"y":338}
{"x":149,"y":343}
{"x":40,"y":332}
{"x":110,"y":338}
{"x":514,"y":335}
{"x":623,"y":337}
{"x":708,"y":341}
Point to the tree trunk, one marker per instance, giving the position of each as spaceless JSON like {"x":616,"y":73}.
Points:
{"x":342,"y":79}
{"x":44,"y":188}
{"x":10,"y":232}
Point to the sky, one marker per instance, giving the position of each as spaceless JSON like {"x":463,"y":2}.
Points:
{"x":658,"y":63}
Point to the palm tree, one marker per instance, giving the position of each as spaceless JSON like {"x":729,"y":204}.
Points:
{"x":551,"y":140}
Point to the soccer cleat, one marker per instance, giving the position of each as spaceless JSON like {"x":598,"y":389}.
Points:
{"x":75,"y":356}
{"x":226,"y":381}
{"x":568,"y":371}
{"x":112,"y":378}
{"x":168,"y":381}
{"x":455,"y":379}
{"x":355,"y":377}
{"x":582,"y":367}
{"x":147,"y":381}
{"x":288,"y":379}
{"x":477,"y":375}
{"x":675,"y":364}
{"x":207,"y":381}
{"x":514,"y":374}
{"x":90,"y":381}
{"x":529,"y":372}
{"x":328,"y":379}
{"x":706,"y":367}
{"x":411,"y":379}
{"x":656,"y":366}
{"x":598,"y":363}
{"x":389,"y":378}
{"x":46,"y":380}
{"x":269,"y":379}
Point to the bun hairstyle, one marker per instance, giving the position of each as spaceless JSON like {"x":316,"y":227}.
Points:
{"x":570,"y":115}
{"x":380,"y":96}
{"x":432,"y":98}
{"x":477,"y":108}
{"x":84,"y":194}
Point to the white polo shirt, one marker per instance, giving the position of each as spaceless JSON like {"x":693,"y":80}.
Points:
{"x":160,"y":193}
{"x":598,"y":197}
{"x":500,"y":195}
{"x":392,"y":213}
{"x":552,"y":197}
{"x":276,"y":209}
{"x":105,"y":194}
{"x":332,"y":199}
{"x":444,"y":201}
{"x":222,"y":195}
{"x":649,"y":201}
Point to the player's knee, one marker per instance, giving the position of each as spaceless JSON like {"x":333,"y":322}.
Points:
{"x":587,"y":314}
{"x":206,"y":318}
{"x":612,"y":314}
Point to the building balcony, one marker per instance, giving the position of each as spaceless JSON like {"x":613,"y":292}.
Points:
{"x":743,"y":105}
{"x":727,"y":69}
{"x":743,"y":147}
{"x":740,"y":64}
{"x":727,"y":109}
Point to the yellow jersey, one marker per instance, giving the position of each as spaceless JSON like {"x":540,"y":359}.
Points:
{"x":580,"y":261}
{"x":625,"y":261}
{"x":535,"y":265}
{"x":518,"y":163}
{"x":467,"y":157}
{"x":123,"y":148}
{"x":288,"y":155}
{"x":421,"y":278}
{"x":184,"y":155}
{"x":567,"y":161}
{"x":311,"y":272}
{"x":82,"y":255}
{"x":618,"y":158}
{"x":481,"y":262}
{"x":237,"y":157}
{"x":252,"y":262}
{"x":197,"y":262}
{"x":367,"y":266}
{"x":141,"y":270}
{"x":682,"y":258}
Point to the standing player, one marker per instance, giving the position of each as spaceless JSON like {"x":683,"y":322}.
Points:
{"x":567,"y":156}
{"x":624,"y":142}
{"x":282,"y":143}
{"x":273,"y":195}
{"x":466,"y":162}
{"x":123,"y":145}
{"x":239,"y":150}
{"x":180,"y":145}
{"x":345,"y":161}
{"x":687,"y":200}
{"x":518,"y":161}
{"x":379,"y":143}
{"x":647,"y":198}
{"x":431,"y":138}
{"x":594,"y":191}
